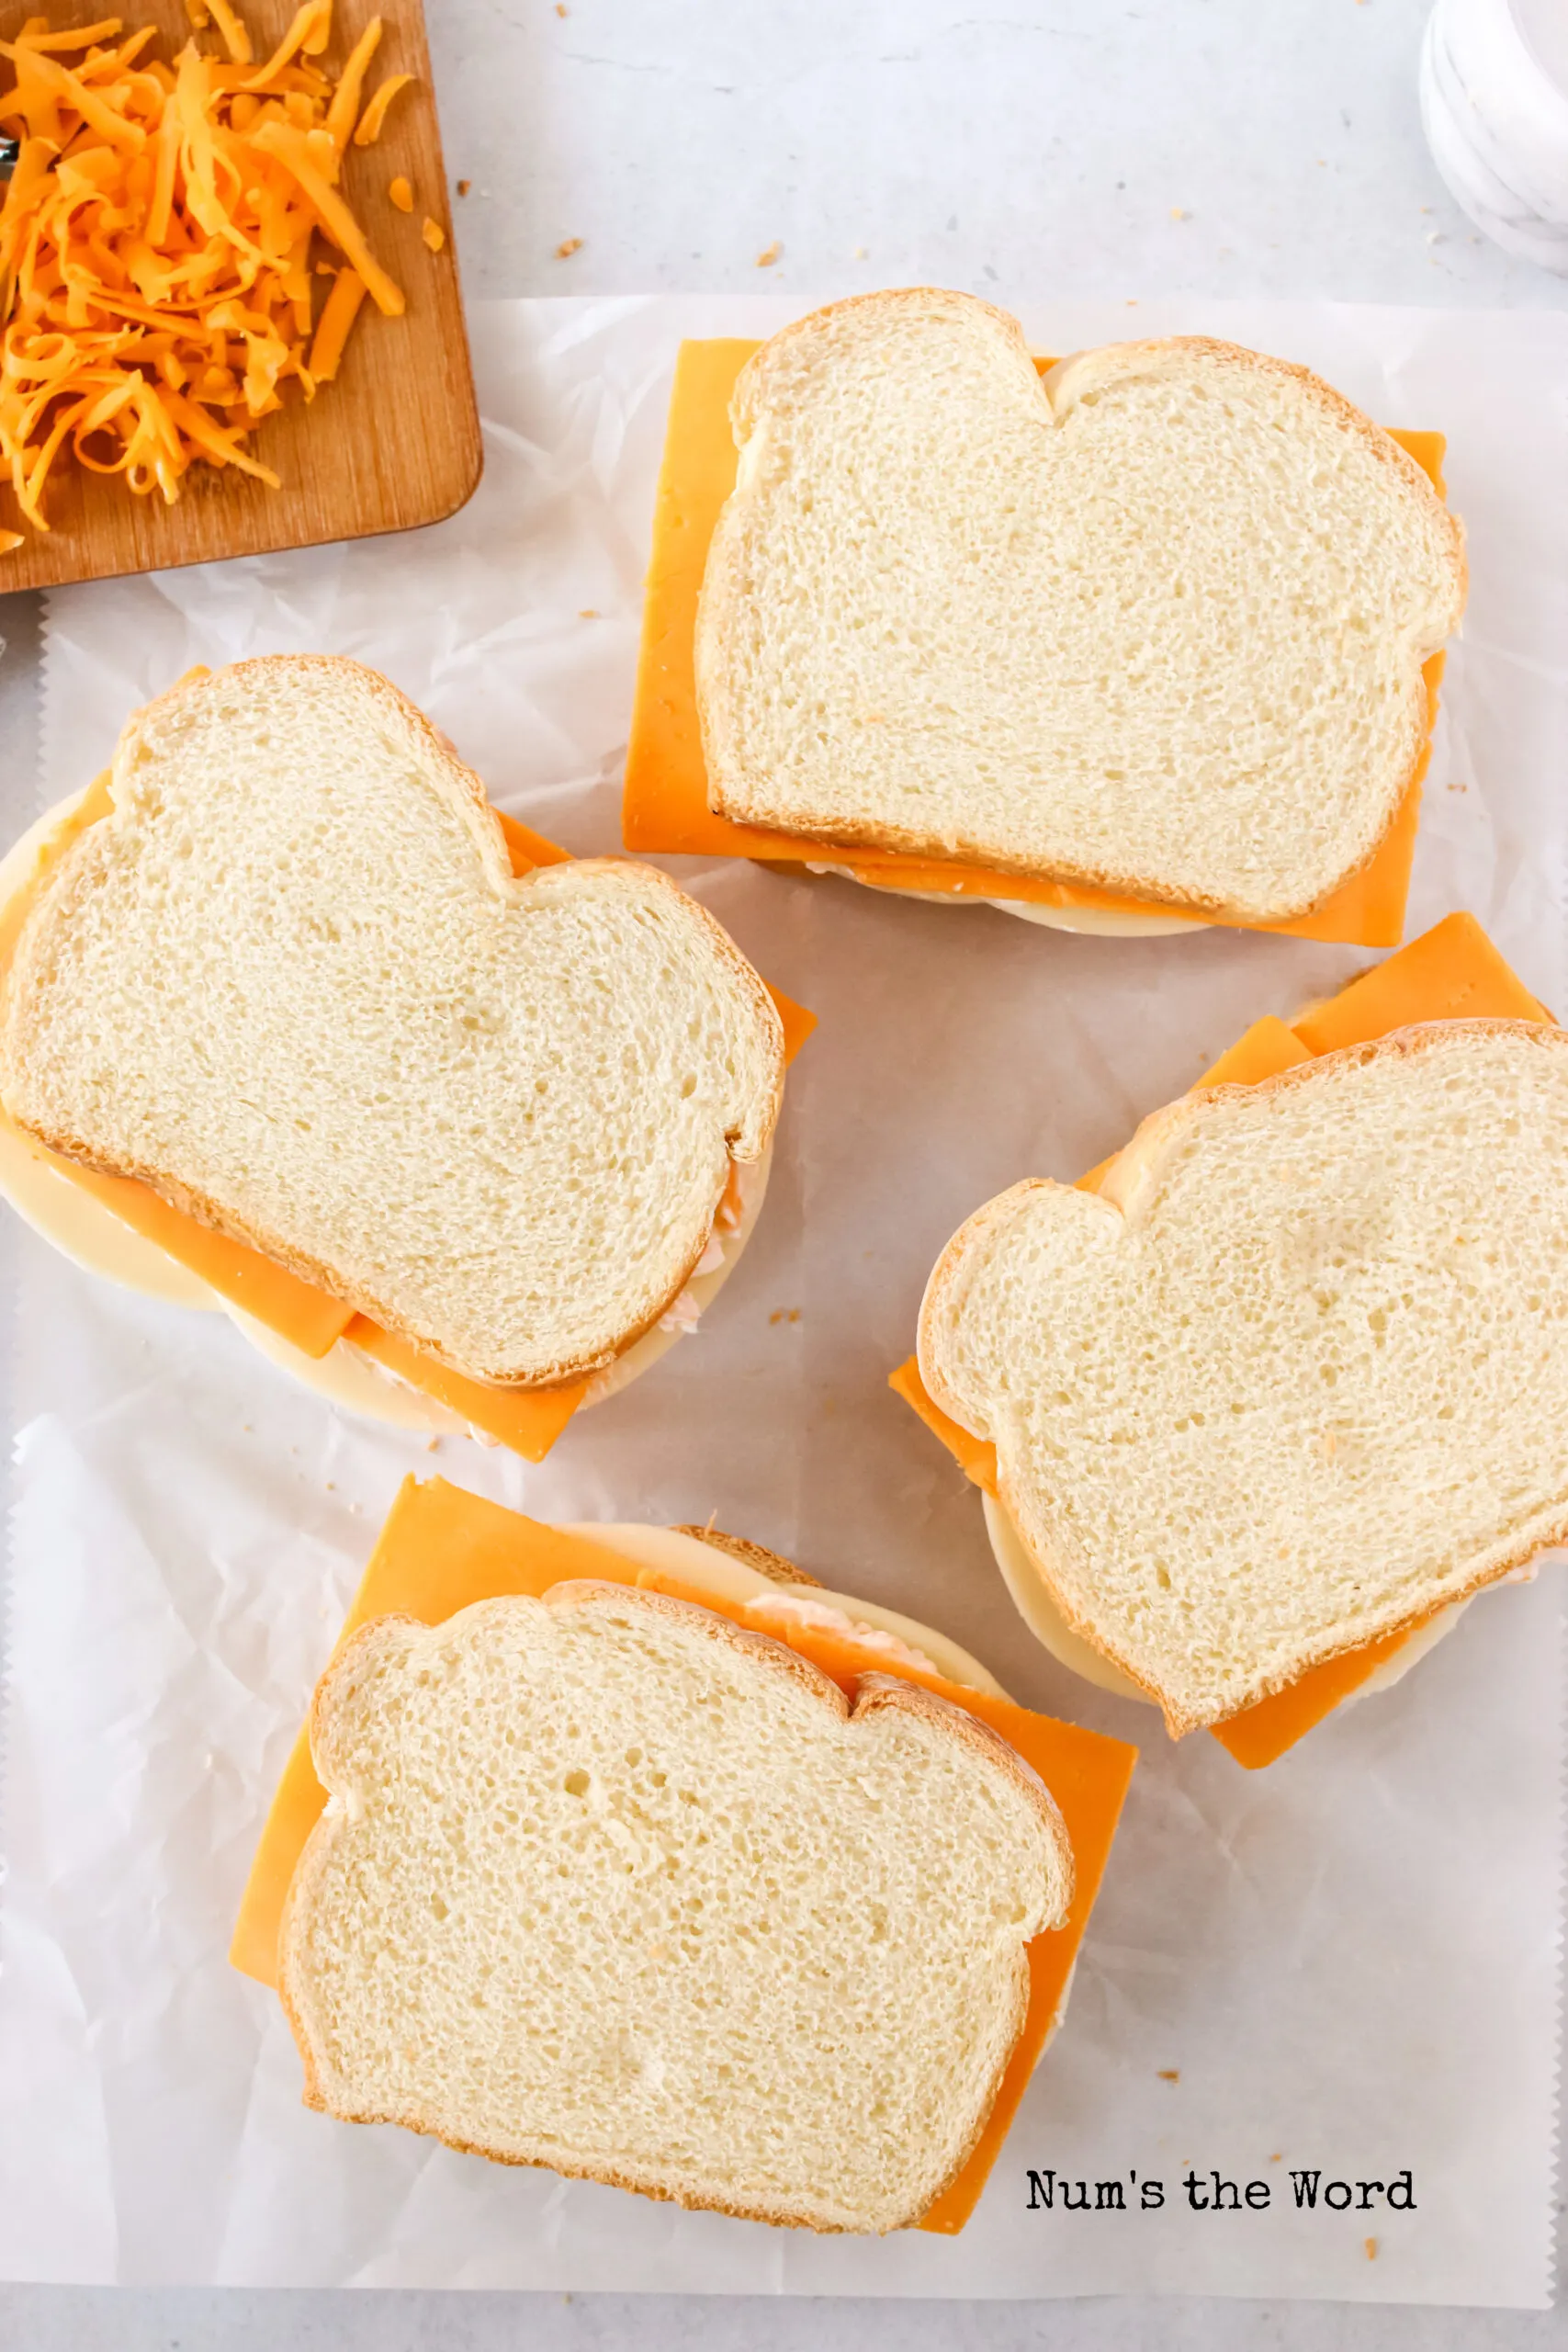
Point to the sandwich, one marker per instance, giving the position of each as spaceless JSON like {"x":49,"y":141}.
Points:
{"x":462,"y":1130}
{"x":1141,"y":639}
{"x":634,"y":1852}
{"x":1262,"y":1404}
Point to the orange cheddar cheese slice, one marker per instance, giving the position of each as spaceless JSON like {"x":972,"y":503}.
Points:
{"x":1451,"y":973}
{"x":442,"y":1549}
{"x":526,"y":848}
{"x":665,"y":806}
{"x":799,"y":1023}
{"x":976,"y":1456}
{"x":527,"y":1421}
{"x":1261,"y":1733}
{"x":1262,"y":1051}
{"x":308,"y":1319}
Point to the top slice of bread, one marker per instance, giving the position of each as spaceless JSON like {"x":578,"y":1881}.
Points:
{"x":292,"y":983}
{"x":607,"y":1883}
{"x":1155,"y":623}
{"x":1298,"y":1376}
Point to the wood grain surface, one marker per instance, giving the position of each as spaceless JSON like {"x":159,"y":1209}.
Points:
{"x":394,"y":442}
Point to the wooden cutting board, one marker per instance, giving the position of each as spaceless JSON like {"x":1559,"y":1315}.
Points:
{"x":394,"y":442}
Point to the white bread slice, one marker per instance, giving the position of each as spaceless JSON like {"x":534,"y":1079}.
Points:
{"x":78,"y":1222}
{"x":1031,"y":1597}
{"x":292,"y":984}
{"x":610,"y":1884}
{"x":1296,"y":1378}
{"x":1154,"y":623}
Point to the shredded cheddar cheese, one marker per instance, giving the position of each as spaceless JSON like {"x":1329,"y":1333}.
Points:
{"x":338,"y":314}
{"x":375,"y":114}
{"x":158,"y":244}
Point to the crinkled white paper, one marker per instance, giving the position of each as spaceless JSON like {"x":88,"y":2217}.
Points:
{"x":1347,"y":1963}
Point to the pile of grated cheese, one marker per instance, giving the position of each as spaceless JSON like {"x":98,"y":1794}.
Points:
{"x":158,"y":263}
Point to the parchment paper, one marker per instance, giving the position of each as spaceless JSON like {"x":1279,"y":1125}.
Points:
{"x":1347,"y":1963}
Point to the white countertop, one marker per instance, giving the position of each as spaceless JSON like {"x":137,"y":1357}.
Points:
{"x":1074,"y":146}
{"x":1242,"y":147}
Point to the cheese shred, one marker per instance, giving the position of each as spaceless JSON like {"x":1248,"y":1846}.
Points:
{"x":375,"y":114}
{"x":161,"y":241}
{"x":338,"y":314}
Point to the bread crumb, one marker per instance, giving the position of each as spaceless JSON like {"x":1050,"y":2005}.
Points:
{"x":1169,"y":2074}
{"x":1178,"y":214}
{"x":401,"y":194}
{"x":587,"y":612}
{"x":561,"y":9}
{"x":463,"y":186}
{"x":1371,"y":2243}
{"x":793,"y":1315}
{"x":332,"y":1486}
{"x":567,"y":247}
{"x":1278,"y":2157}
{"x":433,"y":1446}
{"x":434,"y":235}
{"x":858,"y":253}
{"x":766,"y":260}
